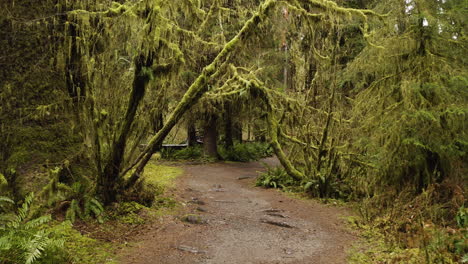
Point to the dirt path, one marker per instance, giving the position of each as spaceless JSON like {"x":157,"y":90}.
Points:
{"x":237,"y":229}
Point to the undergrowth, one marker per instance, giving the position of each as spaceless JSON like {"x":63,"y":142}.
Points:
{"x":245,"y":152}
{"x":28,"y":239}
{"x":405,"y":228}
{"x":400,"y":226}
{"x":28,"y":233}
{"x":242,"y":152}
{"x":188,"y":153}
{"x":275,"y":177}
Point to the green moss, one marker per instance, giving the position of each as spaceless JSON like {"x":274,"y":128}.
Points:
{"x":132,"y":219}
{"x":42,"y":143}
{"x":161,"y":176}
{"x":165,"y":202}
{"x":83,"y":249}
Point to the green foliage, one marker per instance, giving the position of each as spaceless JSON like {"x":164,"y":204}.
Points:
{"x":3,"y":184}
{"x":242,"y":152}
{"x":82,"y":248}
{"x":79,"y":196}
{"x":406,"y":228}
{"x":129,"y":213}
{"x":368,"y":122}
{"x":245,"y":152}
{"x":188,"y":153}
{"x":6,"y":204}
{"x":28,"y":240}
{"x":275,"y":177}
{"x":430,"y":245}
{"x":83,"y":204}
{"x":462,"y":217}
{"x":156,"y":179}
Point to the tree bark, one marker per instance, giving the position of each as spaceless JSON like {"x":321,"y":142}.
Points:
{"x":228,"y":137}
{"x":191,"y":134}
{"x":109,"y":182}
{"x":210,"y":137}
{"x":237,"y":129}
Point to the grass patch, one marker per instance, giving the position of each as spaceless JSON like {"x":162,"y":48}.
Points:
{"x":161,"y":176}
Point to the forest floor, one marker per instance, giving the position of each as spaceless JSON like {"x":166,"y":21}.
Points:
{"x":225,"y":219}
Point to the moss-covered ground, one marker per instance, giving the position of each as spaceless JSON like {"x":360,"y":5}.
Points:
{"x":92,"y":243}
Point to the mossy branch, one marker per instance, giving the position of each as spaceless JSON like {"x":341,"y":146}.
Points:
{"x":295,"y":140}
{"x":193,"y":94}
{"x":288,"y":166}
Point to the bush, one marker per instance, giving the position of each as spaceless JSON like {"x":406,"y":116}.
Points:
{"x":188,"y":153}
{"x":245,"y":152}
{"x":275,"y":177}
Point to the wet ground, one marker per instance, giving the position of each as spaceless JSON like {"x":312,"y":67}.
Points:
{"x":234,"y":222}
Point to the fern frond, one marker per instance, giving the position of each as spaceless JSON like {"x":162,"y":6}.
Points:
{"x":71,"y":211}
{"x":4,"y":199}
{"x":35,"y":247}
{"x":5,"y":243}
{"x":24,"y":209}
{"x":64,"y":188}
{"x":5,"y":219}
{"x":96,"y":207}
{"x":37,"y":222}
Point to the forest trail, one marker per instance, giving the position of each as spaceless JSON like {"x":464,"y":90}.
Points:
{"x":237,"y":224}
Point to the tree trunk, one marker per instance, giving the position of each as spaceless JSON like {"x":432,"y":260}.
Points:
{"x":237,"y":129}
{"x":74,"y":75}
{"x":228,"y":137}
{"x":109,"y":182}
{"x":191,"y":134}
{"x":157,"y":122}
{"x":308,"y":82}
{"x":210,"y":137}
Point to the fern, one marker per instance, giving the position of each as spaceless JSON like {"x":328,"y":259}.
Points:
{"x":26,"y":240}
{"x":4,"y":199}
{"x":82,"y":203}
{"x":274,"y":177}
{"x":5,"y":202}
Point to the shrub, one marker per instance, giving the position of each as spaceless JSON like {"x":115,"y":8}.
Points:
{"x":275,"y":177}
{"x":188,"y":153}
{"x":245,"y":152}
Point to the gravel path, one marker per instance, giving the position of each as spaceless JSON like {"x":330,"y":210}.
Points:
{"x":236,"y":223}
